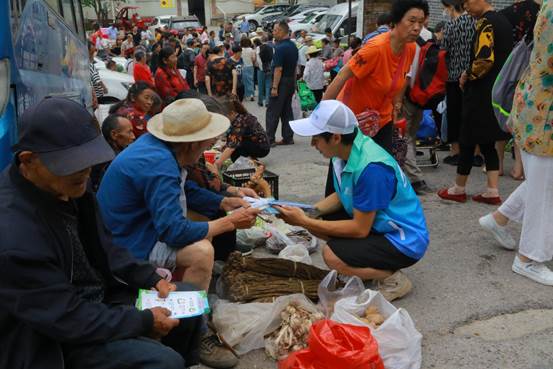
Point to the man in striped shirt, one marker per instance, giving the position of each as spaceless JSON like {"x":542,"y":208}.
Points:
{"x":98,"y":87}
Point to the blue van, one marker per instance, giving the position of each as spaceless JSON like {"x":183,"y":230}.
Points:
{"x":43,"y":52}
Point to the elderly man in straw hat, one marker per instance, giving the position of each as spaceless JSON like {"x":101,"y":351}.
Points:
{"x":144,"y":198}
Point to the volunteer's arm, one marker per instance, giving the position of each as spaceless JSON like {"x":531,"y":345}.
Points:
{"x":358,"y":227}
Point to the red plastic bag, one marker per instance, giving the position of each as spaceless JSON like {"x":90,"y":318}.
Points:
{"x":333,"y":346}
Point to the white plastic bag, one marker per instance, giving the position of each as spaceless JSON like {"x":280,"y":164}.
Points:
{"x":296,"y":107}
{"x":399,"y":342}
{"x":297,"y":253}
{"x":329,"y":293}
{"x":279,"y":238}
{"x":244,"y":326}
{"x":254,"y":237}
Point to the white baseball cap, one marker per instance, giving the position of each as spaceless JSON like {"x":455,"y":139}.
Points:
{"x":330,"y":116}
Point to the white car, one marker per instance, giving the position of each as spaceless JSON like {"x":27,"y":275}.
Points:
{"x":159,"y":22}
{"x":306,"y":13}
{"x":254,"y":19}
{"x":307,"y":23}
{"x":117,"y":83}
{"x":337,"y":19}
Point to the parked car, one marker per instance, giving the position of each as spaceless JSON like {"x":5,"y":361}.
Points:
{"x":117,"y":83}
{"x":337,"y":19}
{"x":302,"y":14}
{"x":254,"y":19}
{"x":268,"y":22}
{"x":307,"y":23}
{"x":177,"y":25}
{"x":160,"y":22}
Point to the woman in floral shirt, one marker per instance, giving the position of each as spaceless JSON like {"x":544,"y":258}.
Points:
{"x":532,"y":123}
{"x":136,"y":107}
{"x":245,"y":137}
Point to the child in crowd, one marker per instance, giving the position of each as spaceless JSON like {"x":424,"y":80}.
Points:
{"x":313,"y":75}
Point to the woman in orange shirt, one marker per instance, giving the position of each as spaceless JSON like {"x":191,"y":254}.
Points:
{"x":374,"y":78}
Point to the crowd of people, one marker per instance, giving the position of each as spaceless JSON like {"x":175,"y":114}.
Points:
{"x":93,"y":211}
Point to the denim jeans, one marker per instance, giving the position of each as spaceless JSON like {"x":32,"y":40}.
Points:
{"x":264,"y":81}
{"x":180,"y":346}
{"x":247,"y":80}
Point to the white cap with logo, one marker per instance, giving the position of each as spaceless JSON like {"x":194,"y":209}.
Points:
{"x":329,"y":116}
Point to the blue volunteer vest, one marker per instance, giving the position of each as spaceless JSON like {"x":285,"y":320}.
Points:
{"x":403,"y":222}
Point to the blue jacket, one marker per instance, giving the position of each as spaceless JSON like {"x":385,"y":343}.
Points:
{"x":139,"y":199}
{"x":403,"y":222}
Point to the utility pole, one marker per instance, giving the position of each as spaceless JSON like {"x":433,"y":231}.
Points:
{"x":179,"y":8}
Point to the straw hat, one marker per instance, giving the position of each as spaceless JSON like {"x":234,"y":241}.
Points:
{"x":259,"y":30}
{"x":187,"y":120}
{"x":312,"y":50}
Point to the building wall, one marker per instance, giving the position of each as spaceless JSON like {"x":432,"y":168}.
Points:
{"x":436,"y":9}
{"x":373,"y":8}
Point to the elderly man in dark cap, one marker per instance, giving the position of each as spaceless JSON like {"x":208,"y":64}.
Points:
{"x":66,"y":291}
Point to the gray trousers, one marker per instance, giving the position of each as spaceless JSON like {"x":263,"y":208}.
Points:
{"x":280,"y":108}
{"x":413,"y":115}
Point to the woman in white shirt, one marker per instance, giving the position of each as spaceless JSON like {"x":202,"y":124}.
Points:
{"x":313,"y":74}
{"x":249,"y":58}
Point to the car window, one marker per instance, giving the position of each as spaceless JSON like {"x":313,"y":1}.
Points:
{"x":164,"y":21}
{"x":328,"y":21}
{"x":185,"y":24}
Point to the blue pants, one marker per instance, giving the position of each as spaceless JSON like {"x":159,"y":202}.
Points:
{"x":180,"y":346}
{"x":247,"y":80}
{"x":264,"y":81}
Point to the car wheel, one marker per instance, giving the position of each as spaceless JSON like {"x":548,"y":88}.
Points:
{"x":253,"y":25}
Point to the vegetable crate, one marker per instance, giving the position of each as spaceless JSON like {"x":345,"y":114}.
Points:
{"x":239,"y":177}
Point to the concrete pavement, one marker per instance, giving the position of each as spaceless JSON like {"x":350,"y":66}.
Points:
{"x":462,"y":283}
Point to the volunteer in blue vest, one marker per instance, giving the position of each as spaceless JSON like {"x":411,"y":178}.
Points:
{"x":385,"y":230}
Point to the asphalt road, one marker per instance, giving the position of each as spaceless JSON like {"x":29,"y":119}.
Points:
{"x":472,"y":310}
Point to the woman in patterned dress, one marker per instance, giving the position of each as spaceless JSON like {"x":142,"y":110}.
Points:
{"x":457,"y":41}
{"x":532,"y":123}
{"x":492,"y":45}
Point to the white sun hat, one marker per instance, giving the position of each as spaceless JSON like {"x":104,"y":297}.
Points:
{"x":187,"y":120}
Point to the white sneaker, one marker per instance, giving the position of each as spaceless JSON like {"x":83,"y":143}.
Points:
{"x":538,"y":272}
{"x":499,"y":232}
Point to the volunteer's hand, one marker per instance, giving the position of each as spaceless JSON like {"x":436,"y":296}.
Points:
{"x":462,"y":80}
{"x":231,"y":203}
{"x":243,"y":218}
{"x":162,"y":323}
{"x":292,"y":215}
{"x":242,"y":191}
{"x":163,"y":288}
{"x":274,"y":91}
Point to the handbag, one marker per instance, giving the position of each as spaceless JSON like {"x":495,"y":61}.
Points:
{"x":369,"y":119}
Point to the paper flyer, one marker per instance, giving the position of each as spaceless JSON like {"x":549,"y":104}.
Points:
{"x":182,"y":304}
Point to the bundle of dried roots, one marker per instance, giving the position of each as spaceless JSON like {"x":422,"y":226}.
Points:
{"x":273,"y":266}
{"x":247,"y":278}
{"x":292,"y":333}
